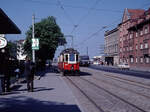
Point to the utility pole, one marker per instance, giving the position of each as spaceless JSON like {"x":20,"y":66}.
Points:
{"x":87,"y":51}
{"x":33,"y":51}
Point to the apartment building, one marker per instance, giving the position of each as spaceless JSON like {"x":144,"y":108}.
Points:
{"x":111,"y":46}
{"x":139,"y":32}
{"x":134,"y":39}
{"x":20,"y":50}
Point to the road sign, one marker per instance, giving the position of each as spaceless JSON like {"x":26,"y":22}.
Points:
{"x":3,"y":42}
{"x":35,"y":44}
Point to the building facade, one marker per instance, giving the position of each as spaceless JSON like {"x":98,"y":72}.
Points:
{"x":134,"y":39}
{"x":140,"y":31}
{"x":111,"y":47}
{"x":20,"y":51}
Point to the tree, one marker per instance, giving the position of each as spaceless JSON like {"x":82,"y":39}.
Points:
{"x":11,"y":50}
{"x":50,"y":37}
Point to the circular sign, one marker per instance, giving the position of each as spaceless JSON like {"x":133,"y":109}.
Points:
{"x":3,"y":42}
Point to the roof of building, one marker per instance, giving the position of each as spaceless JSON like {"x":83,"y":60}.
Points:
{"x":6,"y":25}
{"x":111,"y":31}
{"x":131,"y":14}
{"x":143,"y":21}
{"x":135,"y":13}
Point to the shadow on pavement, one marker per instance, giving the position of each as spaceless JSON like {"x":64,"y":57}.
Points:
{"x":52,"y":69}
{"x":26,"y":104}
{"x":78,"y":74}
{"x":84,"y":74}
{"x":37,"y":89}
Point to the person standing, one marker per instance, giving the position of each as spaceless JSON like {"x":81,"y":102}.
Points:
{"x":5,"y":75}
{"x":31,"y":77}
{"x":28,"y":74}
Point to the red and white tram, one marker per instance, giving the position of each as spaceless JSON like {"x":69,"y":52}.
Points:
{"x":68,"y":61}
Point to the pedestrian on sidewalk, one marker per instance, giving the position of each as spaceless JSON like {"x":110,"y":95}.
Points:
{"x":31,"y":77}
{"x":5,"y":75}
{"x":17,"y":73}
{"x":28,"y":74}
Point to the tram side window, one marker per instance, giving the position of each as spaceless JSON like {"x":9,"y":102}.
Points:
{"x":61,"y":58}
{"x":77,"y":57}
{"x":66,"y":58}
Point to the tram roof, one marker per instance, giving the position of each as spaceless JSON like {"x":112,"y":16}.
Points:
{"x":69,"y":50}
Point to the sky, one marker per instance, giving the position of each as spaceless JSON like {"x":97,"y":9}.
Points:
{"x":84,"y":20}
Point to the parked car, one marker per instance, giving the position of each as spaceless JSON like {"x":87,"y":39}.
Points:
{"x":124,"y":66}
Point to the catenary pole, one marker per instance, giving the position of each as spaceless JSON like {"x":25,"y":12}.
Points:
{"x":33,"y":51}
{"x":87,"y":50}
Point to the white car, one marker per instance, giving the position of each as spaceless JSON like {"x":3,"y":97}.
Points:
{"x":124,"y":66}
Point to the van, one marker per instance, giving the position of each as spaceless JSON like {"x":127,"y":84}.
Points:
{"x":84,"y":60}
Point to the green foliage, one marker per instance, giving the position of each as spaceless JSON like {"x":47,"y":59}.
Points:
{"x":50,"y":37}
{"x":11,"y":49}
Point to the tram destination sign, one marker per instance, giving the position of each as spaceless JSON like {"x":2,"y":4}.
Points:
{"x":3,"y":42}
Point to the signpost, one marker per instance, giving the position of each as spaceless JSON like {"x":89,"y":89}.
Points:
{"x":3,"y":42}
{"x":35,"y":44}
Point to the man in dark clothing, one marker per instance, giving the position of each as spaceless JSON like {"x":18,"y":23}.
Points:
{"x":29,"y":73}
{"x":5,"y":74}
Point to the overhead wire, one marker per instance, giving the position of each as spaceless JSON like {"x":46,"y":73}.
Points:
{"x":96,"y":33}
{"x":65,"y":13}
{"x":72,"y":6}
{"x":85,"y":16}
{"x":145,"y":5}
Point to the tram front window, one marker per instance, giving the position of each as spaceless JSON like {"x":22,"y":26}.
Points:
{"x":72,"y":57}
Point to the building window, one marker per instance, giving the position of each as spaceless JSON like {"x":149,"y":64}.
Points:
{"x":141,"y":60}
{"x":127,"y":60}
{"x":141,"y":32}
{"x":136,"y":47}
{"x":131,"y":60}
{"x":120,"y":60}
{"x":127,"y":37}
{"x":136,"y":34}
{"x":127,"y":49}
{"x":124,"y":49}
{"x":146,"y":30}
{"x":120,"y":49}
{"x":131,"y":36}
{"x":141,"y":46}
{"x":124,"y":39}
{"x":130,"y":48}
{"x":146,"y":45}
{"x":136,"y":60}
{"x":120,"y":39}
{"x":147,"y":60}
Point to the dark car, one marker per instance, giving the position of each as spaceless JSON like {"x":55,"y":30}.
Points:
{"x":84,"y":60}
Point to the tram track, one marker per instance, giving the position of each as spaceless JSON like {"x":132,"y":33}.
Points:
{"x":135,"y":83}
{"x":127,"y":102}
{"x":115,"y":85}
{"x":90,"y":99}
{"x":124,"y":80}
{"x":105,"y":90}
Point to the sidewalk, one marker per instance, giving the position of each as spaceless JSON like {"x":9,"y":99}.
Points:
{"x":51,"y":94}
